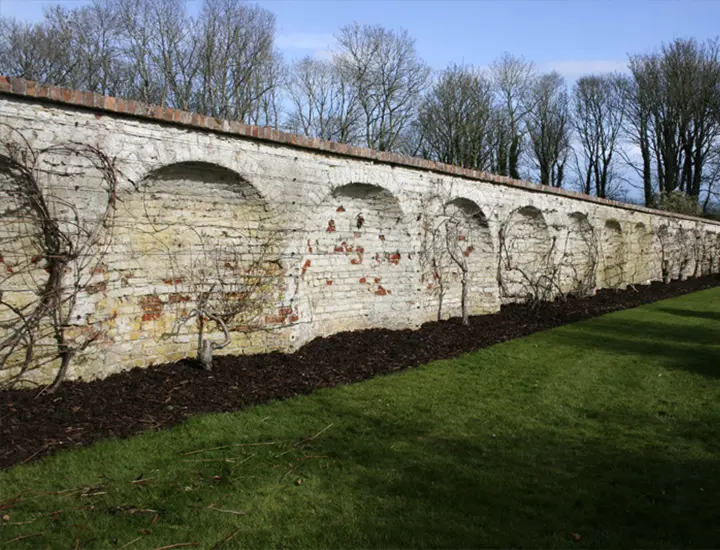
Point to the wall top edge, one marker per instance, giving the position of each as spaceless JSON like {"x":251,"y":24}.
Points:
{"x":29,"y":89}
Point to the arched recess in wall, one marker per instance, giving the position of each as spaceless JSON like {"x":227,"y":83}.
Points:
{"x":458,"y":244}
{"x":526,"y":271}
{"x":677,"y":247}
{"x":614,"y":261}
{"x":22,"y":280}
{"x":57,"y":210}
{"x":357,"y":266}
{"x":687,"y":245}
{"x":710,"y":253}
{"x":579,"y":256}
{"x":640,"y":258}
{"x":18,"y":245}
{"x":196,"y":232}
{"x":662,"y":237}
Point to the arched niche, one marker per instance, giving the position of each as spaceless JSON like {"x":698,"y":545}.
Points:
{"x":687,"y":250}
{"x":357,"y":264}
{"x":613,"y":255}
{"x":677,"y":248}
{"x":195,"y":229}
{"x":184,"y":211}
{"x":579,"y":256}
{"x":22,"y":277}
{"x":525,"y":256}
{"x":16,"y":235}
{"x":708,"y":252}
{"x":458,"y":244}
{"x":641,"y":255}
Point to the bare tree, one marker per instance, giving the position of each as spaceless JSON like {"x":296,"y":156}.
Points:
{"x":456,"y":245}
{"x":324,"y":104}
{"x":388,"y":78}
{"x":674,"y":115}
{"x":513,"y":79}
{"x":456,"y":117}
{"x":549,"y":128}
{"x":231,"y":280}
{"x":93,"y":46}
{"x":222,"y":63}
{"x":236,"y":53}
{"x":36,"y":51}
{"x":599,"y":114}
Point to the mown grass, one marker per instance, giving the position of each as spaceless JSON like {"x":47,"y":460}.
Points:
{"x":607,"y":429}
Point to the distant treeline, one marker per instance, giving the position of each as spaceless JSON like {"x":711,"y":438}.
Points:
{"x":656,"y":127}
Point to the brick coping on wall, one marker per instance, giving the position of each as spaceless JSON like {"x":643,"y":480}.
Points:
{"x":97,"y":102}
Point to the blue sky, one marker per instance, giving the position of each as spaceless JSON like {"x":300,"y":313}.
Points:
{"x":572,"y":36}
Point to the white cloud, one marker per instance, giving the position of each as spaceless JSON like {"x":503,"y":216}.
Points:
{"x":575,"y":68}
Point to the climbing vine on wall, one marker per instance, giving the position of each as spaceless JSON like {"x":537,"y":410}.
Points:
{"x":54,"y":234}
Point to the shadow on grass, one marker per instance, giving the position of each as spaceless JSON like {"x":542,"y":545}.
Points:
{"x":692,"y":348}
{"x":529,"y":489}
{"x":712,"y":315}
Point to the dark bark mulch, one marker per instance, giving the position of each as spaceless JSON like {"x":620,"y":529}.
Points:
{"x":127,"y":403}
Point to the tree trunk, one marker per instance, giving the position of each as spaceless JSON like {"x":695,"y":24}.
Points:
{"x":463,"y":298}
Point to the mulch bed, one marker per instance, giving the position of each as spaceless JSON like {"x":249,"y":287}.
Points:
{"x":128,"y":403}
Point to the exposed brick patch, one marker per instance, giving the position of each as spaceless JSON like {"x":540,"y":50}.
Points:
{"x":152,"y":307}
{"x":305,"y":267}
{"x":178,"y":298}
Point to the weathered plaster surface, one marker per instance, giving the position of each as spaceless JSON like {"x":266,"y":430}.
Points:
{"x":353,"y":234}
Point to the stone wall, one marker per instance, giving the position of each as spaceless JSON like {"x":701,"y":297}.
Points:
{"x":346,"y":238}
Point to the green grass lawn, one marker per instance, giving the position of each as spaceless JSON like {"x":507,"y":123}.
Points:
{"x":609,"y":428}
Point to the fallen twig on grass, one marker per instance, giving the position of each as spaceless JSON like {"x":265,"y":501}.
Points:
{"x":35,"y":454}
{"x":227,"y":539}
{"x":234,"y":512}
{"x":129,"y":543}
{"x":228,"y":459}
{"x":21,"y":537}
{"x":300,"y":464}
{"x":139,"y":481}
{"x":232,"y":446}
{"x":212,"y":507}
{"x":132,"y":510}
{"x":9,"y":502}
{"x":304,"y":441}
{"x":321,"y":431}
{"x":23,"y":522}
{"x":178,"y":545}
